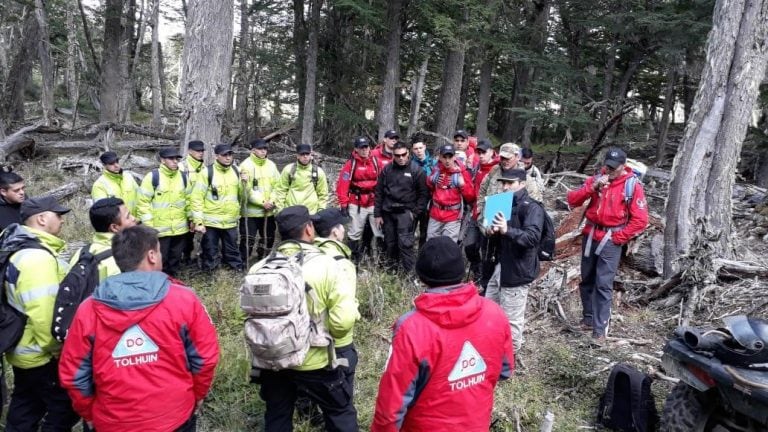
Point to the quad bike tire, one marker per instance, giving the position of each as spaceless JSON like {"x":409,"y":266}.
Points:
{"x":683,"y":409}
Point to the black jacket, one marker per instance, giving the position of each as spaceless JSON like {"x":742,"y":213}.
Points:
{"x":519,"y":249}
{"x":9,"y":214}
{"x":401,"y":188}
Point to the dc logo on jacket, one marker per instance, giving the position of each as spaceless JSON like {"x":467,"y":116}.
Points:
{"x":134,"y":348}
{"x":469,"y":369}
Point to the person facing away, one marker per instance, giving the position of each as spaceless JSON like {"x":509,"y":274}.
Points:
{"x":518,"y":253}
{"x":447,"y":354}
{"x":193,"y":165}
{"x":317,"y":378}
{"x":12,"y":194}
{"x":113,"y":182}
{"x":164,"y":202}
{"x":302,"y":183}
{"x":400,"y":199}
{"x":259,"y":214}
{"x":31,"y":283}
{"x":108,"y":216}
{"x":141,"y":351}
{"x":355,"y":192}
{"x":611,"y":222}
{"x":216,"y":207}
{"x":451,"y":187}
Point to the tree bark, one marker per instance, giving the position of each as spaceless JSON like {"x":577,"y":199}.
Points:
{"x":448,"y":102}
{"x":300,"y":52}
{"x":484,"y":97}
{"x":669,"y":102}
{"x":699,"y":202}
{"x":163,"y":84}
{"x":388,"y":98}
{"x":207,"y":58}
{"x":88,"y":40}
{"x":417,"y":92}
{"x":242,"y":72}
{"x":73,"y":74}
{"x":46,"y":63}
{"x":111,"y":78}
{"x":308,"y":122}
{"x":21,"y":69}
{"x":128,"y":46}
{"x":156,"y":88}
{"x":466,"y":81}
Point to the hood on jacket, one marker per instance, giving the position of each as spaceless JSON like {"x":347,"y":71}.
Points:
{"x":130,"y":297}
{"x":451,"y":307}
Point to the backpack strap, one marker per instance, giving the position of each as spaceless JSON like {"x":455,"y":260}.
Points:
{"x":210,"y":176}
{"x":155,"y":178}
{"x":101,"y":256}
{"x":315,"y":175}
{"x":291,"y":174}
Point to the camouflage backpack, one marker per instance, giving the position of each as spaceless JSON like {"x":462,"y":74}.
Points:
{"x":279,"y":328}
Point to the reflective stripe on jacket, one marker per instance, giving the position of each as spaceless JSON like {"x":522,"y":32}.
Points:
{"x":341,"y":254}
{"x":217,"y":206}
{"x":166,"y":208}
{"x":301,"y":189}
{"x":32,"y":282}
{"x":111,"y":185}
{"x":266,"y":176}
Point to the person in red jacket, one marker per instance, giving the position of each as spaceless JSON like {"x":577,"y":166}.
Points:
{"x":383,"y":152}
{"x":451,"y":187}
{"x":141,"y":352}
{"x":461,"y":144}
{"x":612,"y":221}
{"x":355,"y":190}
{"x":475,"y":243}
{"x":447,"y":354}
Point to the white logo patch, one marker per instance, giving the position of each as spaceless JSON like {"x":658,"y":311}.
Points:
{"x":468,"y":370}
{"x":134,"y":348}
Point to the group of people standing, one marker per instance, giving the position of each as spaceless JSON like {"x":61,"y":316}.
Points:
{"x":447,"y":354}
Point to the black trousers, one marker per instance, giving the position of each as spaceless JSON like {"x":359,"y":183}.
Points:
{"x":398,"y":236}
{"x":261,"y":227}
{"x":349,"y":352}
{"x":172,"y":248}
{"x":329,"y":389}
{"x":212,"y":239}
{"x":37,"y":396}
{"x":423,"y":222}
{"x":189,"y":247}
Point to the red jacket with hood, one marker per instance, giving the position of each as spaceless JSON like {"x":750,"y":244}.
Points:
{"x":447,"y":196}
{"x":383,"y":156}
{"x":482,"y":172}
{"x":139,"y":354}
{"x":357,"y":187}
{"x":447,"y":356}
{"x":608,"y":209}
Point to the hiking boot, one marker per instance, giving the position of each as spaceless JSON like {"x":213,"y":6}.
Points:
{"x":598,"y":342}
{"x":585,"y":325}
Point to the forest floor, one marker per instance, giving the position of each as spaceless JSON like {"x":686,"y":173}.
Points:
{"x":563,"y":373}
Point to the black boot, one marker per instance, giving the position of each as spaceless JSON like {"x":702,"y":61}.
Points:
{"x":354,"y":247}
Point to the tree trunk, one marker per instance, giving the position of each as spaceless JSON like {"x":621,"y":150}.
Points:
{"x":417,"y":92}
{"x":308,"y":122}
{"x":163,"y":84}
{"x":466,"y":81}
{"x":242,"y":70}
{"x":21,"y":69}
{"x":128,"y":46}
{"x":448,"y":102}
{"x":46,"y":63}
{"x":73,"y":73}
{"x":484,"y":97}
{"x":207,"y":57}
{"x":669,"y":102}
{"x":156,"y":88}
{"x":88,"y":40}
{"x":111,"y":78}
{"x":705,"y":166}
{"x":388,"y":99}
{"x":300,"y":52}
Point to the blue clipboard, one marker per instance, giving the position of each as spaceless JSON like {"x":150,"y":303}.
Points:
{"x":498,"y":203}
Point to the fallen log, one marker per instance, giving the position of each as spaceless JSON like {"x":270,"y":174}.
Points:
{"x":17,"y":141}
{"x":96,"y":129}
{"x":150,"y":145}
{"x":64,"y":191}
{"x":727,"y":268}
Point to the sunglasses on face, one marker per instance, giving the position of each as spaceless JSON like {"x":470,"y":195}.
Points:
{"x":400,"y":155}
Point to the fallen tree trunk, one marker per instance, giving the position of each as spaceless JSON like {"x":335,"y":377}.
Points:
{"x":64,"y":191}
{"x":151,"y":145}
{"x":126,"y":128}
{"x":19,"y":140}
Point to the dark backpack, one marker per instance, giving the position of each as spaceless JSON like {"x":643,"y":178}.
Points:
{"x":548,"y":239}
{"x":628,"y":404}
{"x":315,"y":175}
{"x":156,"y":179}
{"x":213,"y":188}
{"x":76,"y":286}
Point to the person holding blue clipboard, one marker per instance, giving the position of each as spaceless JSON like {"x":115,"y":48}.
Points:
{"x":519,"y":233}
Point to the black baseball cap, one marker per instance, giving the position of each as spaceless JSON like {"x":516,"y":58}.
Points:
{"x":362,"y":142}
{"x":615,"y":157}
{"x":258,"y":143}
{"x":484,"y":145}
{"x":461,"y":133}
{"x":108,"y":158}
{"x":514,"y":174}
{"x":304,"y":148}
{"x":291,"y":218}
{"x":36,"y":205}
{"x":222,"y":149}
{"x":446,"y":149}
{"x":325,"y":220}
{"x":170,"y":153}
{"x":196,"y":145}
{"x":391,"y":134}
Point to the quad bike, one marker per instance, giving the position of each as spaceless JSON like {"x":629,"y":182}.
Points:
{"x":723,"y":378}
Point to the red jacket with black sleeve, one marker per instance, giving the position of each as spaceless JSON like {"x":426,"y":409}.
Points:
{"x":447,"y":356}
{"x":139,"y":354}
{"x":357,"y":181}
{"x":608,"y":208}
{"x":447,"y":196}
